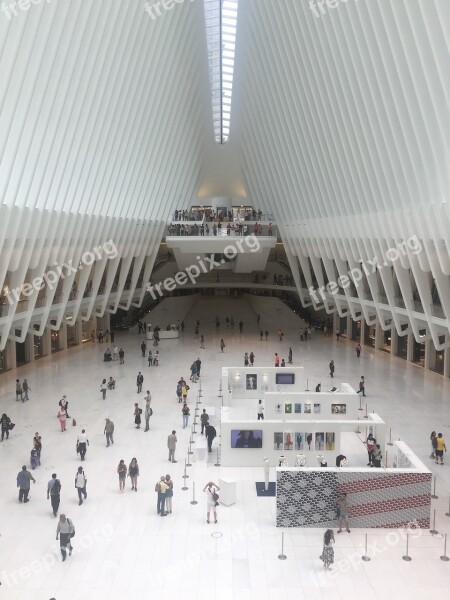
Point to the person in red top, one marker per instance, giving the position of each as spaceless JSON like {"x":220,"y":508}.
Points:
{"x":277,"y":360}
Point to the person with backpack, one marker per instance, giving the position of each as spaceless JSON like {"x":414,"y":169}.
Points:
{"x":185,"y":412}
{"x":18,"y":391}
{"x":212,"y":499}
{"x":137,"y":415}
{"x":54,"y":493}
{"x":66,"y":531}
{"x":5,"y":423}
{"x":80,"y":485}
{"x":82,"y":443}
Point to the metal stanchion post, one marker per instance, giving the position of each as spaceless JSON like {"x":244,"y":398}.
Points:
{"x":191,"y":441}
{"x":190,"y":448}
{"x":185,"y":465}
{"x":444,"y":557}
{"x":194,"y":431}
{"x":365,"y":558}
{"x":307,"y":385}
{"x":433,"y":495}
{"x":360,"y":401}
{"x":188,"y":464}
{"x":386,"y":461}
{"x":358,"y":430}
{"x":217,"y":464}
{"x":434,"y":531}
{"x":407,"y":557}
{"x":390,"y":438}
{"x":198,"y":399}
{"x":448,"y":514}
{"x":193,"y":501}
{"x":365,"y":416}
{"x":185,"y":487}
{"x":282,"y":556}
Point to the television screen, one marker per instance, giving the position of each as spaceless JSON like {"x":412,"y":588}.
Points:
{"x":285,"y":378}
{"x":246,"y":438}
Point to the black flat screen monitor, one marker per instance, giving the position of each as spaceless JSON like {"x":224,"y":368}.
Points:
{"x":246,"y":438}
{"x":285,"y":378}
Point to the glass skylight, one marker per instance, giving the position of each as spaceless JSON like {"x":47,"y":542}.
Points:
{"x":221,"y":19}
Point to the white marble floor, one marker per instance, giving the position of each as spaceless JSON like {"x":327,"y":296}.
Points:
{"x":124,"y":550}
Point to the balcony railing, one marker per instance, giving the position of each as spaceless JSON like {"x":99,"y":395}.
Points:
{"x":216,"y":229}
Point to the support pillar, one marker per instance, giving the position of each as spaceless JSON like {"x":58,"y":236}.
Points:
{"x":63,"y":337}
{"x":379,"y":337}
{"x":336,"y":322}
{"x":430,"y":355}
{"x":46,"y":342}
{"x":409,"y":353}
{"x":394,"y":340}
{"x":10,"y":351}
{"x":29,"y":347}
{"x":362,"y":331}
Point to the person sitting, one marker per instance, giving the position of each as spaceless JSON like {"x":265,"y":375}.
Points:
{"x":107,"y":355}
{"x":111,"y":384}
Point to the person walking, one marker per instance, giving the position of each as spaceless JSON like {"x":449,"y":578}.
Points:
{"x":440,"y":447}
{"x":204,"y":420}
{"x":5,"y":422}
{"x":66,"y":531}
{"x":260,"y":410}
{"x":241,"y":327}
{"x":150,"y":358}
{"x":172,"y":445}
{"x":261,"y":334}
{"x":143,"y":348}
{"x":252,"y":358}
{"x":115,"y":352}
{"x":82,"y":444}
{"x":121,"y":356}
{"x":23,"y":483}
{"x":137,"y":415}
{"x":433,"y":437}
{"x":62,"y":415}
{"x":342,"y":512}
{"x":198,"y":362}
{"x":290,"y":356}
{"x":169,"y":493}
{"x":232,"y":322}
{"x":246,"y":359}
{"x":185,"y":412}
{"x":202,"y":342}
{"x":103,"y":388}
{"x":266,"y":333}
{"x":212,"y":500}
{"x":18,"y":391}
{"x":277,"y":360}
{"x":161,"y":488}
{"x":148,"y":411}
{"x":122,"y":472}
{"x":26,"y":388}
{"x":80,"y":485}
{"x":222,"y":345}
{"x":362,"y":388}
{"x":210,"y":433}
{"x":133,"y":473}
{"x":358,"y":349}
{"x":54,"y":493}
{"x":327,"y":556}
{"x":63,"y":403}
{"x":109,"y":431}
{"x":139,"y":382}
{"x":331,"y":365}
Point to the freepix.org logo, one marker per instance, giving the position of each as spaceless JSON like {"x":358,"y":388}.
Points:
{"x":204,"y":265}
{"x":52,"y":276}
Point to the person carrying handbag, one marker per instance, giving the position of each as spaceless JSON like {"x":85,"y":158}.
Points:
{"x":212,"y":499}
{"x":66,"y":531}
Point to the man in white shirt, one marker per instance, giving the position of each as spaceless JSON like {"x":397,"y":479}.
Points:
{"x":260,"y":410}
{"x":82,"y":443}
{"x":80,"y":485}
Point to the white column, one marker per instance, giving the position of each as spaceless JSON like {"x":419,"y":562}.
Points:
{"x":447,"y":358}
{"x":379,"y":337}
{"x":10,"y":351}
{"x":409,"y":354}
{"x":63,"y":337}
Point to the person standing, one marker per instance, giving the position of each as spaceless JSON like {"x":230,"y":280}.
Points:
{"x":246,"y":359}
{"x":290,"y":356}
{"x":252,"y":358}
{"x":241,"y":327}
{"x":172,"y":444}
{"x":54,"y":493}
{"x":210,"y":433}
{"x":115,"y":352}
{"x":185,"y":412}
{"x":266,"y":333}
{"x":261,"y":333}
{"x":148,"y":411}
{"x":222,"y":345}
{"x":122,"y":471}
{"x":23,"y":483}
{"x":63,"y":403}
{"x":232,"y":322}
{"x":121,"y":356}
{"x":103,"y":388}
{"x":204,"y":419}
{"x":370,"y":443}
{"x":80,"y":485}
{"x":212,"y":498}
{"x":5,"y":422}
{"x":358,"y":350}
{"x":143,"y":348}
{"x":179,"y":392}
{"x":362,"y":388}
{"x":277,"y":360}
{"x":109,"y":431}
{"x":377,"y":456}
{"x":133,"y":473}
{"x":260,"y":410}
{"x":198,"y":362}
{"x":18,"y":391}
{"x":331,"y":365}
{"x":26,"y":388}
{"x":342,"y":512}
{"x":137,"y":415}
{"x":433,"y":437}
{"x":37,"y":445}
{"x":62,"y":418}
{"x":202,"y":342}
{"x":169,"y":493}
{"x":66,"y":531}
{"x":82,"y":443}
{"x":139,"y":382}
{"x":327,"y":556}
{"x":161,"y":488}
{"x":440,"y":447}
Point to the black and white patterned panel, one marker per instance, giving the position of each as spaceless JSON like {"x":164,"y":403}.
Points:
{"x":306,"y":499}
